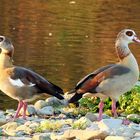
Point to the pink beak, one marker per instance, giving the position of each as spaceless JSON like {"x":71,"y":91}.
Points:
{"x":135,"y":39}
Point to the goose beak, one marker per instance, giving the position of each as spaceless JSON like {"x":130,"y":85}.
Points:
{"x":135,"y":39}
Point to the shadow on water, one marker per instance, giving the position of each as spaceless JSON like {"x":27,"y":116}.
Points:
{"x":63,"y":40}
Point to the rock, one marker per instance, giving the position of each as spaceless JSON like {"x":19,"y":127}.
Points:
{"x":104,"y":116}
{"x":10,"y":111}
{"x":48,"y":110}
{"x":93,"y":126}
{"x":137,"y":134}
{"x":40,"y":104}
{"x":137,"y":83}
{"x":3,"y":121}
{"x":34,"y":125}
{"x":28,"y":123}
{"x":53,"y":101}
{"x":135,"y":127}
{"x":41,"y":137}
{"x":91,"y":116}
{"x":133,"y":116}
{"x":10,"y":128}
{"x":25,"y":129}
{"x":30,"y":110}
{"x":110,"y":124}
{"x":117,"y":138}
{"x":84,"y":134}
{"x":20,"y":120}
{"x":20,"y":133}
{"x":127,"y":132}
{"x":137,"y":138}
{"x":2,"y":113}
{"x":82,"y":123}
{"x":16,"y":138}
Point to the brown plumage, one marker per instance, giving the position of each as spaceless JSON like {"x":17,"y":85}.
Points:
{"x":20,"y":83}
{"x":112,"y":80}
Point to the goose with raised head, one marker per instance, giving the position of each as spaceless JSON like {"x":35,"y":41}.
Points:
{"x":112,"y":80}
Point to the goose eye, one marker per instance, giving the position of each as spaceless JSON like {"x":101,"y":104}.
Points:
{"x":1,"y":39}
{"x":129,"y":33}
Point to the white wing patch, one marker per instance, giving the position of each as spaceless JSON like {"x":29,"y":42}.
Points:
{"x":19,"y":83}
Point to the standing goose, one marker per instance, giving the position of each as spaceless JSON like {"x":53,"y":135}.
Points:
{"x":20,"y":83}
{"x":112,"y":80}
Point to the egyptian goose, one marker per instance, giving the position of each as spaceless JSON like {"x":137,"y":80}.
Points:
{"x":20,"y":83}
{"x":115,"y":79}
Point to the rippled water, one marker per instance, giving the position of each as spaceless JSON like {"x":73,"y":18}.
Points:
{"x":64,"y":40}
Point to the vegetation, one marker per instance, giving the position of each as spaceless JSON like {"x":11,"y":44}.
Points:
{"x":49,"y":125}
{"x":82,"y":123}
{"x":128,"y":104}
{"x":130,"y":101}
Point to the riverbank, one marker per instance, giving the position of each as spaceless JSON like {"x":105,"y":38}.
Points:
{"x":51,"y":120}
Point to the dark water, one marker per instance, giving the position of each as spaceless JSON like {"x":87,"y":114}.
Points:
{"x":64,"y":40}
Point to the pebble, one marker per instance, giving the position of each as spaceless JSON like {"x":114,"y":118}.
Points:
{"x":25,"y":129}
{"x":40,"y":104}
{"x":91,"y":116}
{"x":108,"y":128}
{"x":117,"y":138}
{"x":109,"y":124}
{"x":133,"y":116}
{"x":48,"y":110}
{"x":41,"y":137}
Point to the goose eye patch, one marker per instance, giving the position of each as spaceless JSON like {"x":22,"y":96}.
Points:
{"x":129,"y":33}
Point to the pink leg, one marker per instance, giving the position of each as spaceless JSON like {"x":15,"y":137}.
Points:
{"x":24,"y":109}
{"x":20,"y":104}
{"x":101,"y":106}
{"x":114,"y":108}
{"x":126,"y":122}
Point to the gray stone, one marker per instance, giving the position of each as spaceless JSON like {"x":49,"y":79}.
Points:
{"x":133,"y":116}
{"x":135,"y":127}
{"x":20,"y":120}
{"x":30,"y":110}
{"x":10,"y":128}
{"x":25,"y":129}
{"x":48,"y":110}
{"x":91,"y":116}
{"x":34,"y":125}
{"x":82,"y":123}
{"x":104,"y":116}
{"x":3,"y":121}
{"x":10,"y":111}
{"x":84,"y":134}
{"x":41,"y":137}
{"x":53,"y":101}
{"x":93,"y":126}
{"x":137,"y":138}
{"x":109,"y":124}
{"x":128,"y":132}
{"x":40,"y":104}
{"x":17,"y":138}
{"x":2,"y":113}
{"x":137,"y":134}
{"x":117,"y":138}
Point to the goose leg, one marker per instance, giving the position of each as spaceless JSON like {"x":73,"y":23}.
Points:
{"x":114,"y":108}
{"x":24,"y":110}
{"x":20,"y":105}
{"x":101,"y":106}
